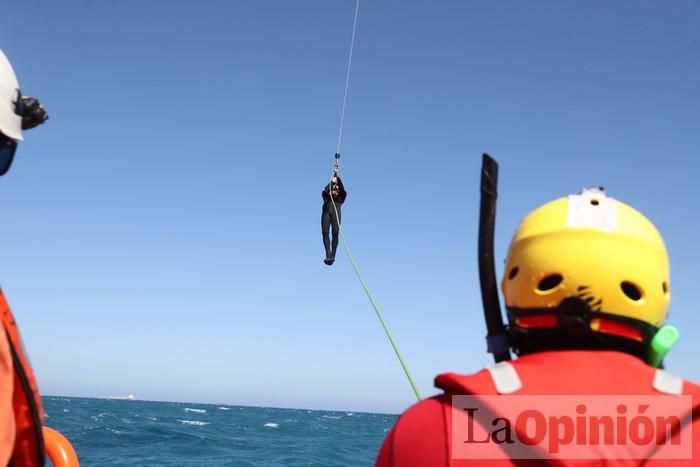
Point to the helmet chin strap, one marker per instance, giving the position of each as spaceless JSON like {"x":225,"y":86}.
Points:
{"x":573,"y":325}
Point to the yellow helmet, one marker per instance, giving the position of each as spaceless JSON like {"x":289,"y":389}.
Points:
{"x":586,"y":271}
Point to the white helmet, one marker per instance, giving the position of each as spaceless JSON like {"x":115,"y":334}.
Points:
{"x":10,"y":121}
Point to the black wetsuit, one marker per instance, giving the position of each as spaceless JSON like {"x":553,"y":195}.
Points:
{"x":329,"y":218}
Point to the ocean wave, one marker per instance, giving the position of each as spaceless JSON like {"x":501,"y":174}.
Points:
{"x":187,"y":409}
{"x":224,"y":408}
{"x":62,"y":399}
{"x":193,"y":422}
{"x":332,"y":417}
{"x":242,"y":437}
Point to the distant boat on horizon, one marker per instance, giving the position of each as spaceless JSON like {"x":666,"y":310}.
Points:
{"x":130,"y":397}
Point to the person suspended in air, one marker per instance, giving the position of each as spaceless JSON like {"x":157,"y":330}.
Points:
{"x":334,"y":196}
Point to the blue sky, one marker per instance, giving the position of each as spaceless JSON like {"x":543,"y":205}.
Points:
{"x":161,"y":232}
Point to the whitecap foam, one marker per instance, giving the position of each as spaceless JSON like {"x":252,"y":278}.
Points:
{"x":224,"y":408}
{"x":333,"y":417}
{"x":187,"y":409}
{"x":193,"y":422}
{"x":272,"y":425}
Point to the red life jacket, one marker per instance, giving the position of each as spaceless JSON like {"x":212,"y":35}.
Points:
{"x":422,"y":436}
{"x":29,"y":413}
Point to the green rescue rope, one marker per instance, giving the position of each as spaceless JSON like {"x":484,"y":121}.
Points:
{"x":371,"y":300}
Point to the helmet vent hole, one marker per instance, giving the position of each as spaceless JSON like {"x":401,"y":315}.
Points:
{"x":664,"y":286}
{"x":549,"y":282}
{"x":631,"y":291}
{"x":595,"y":202}
{"x":513,"y":272}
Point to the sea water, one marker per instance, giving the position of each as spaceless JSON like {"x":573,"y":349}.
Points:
{"x":108,"y":432}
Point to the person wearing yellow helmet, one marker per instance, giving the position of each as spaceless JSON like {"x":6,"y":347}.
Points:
{"x":587,"y":291}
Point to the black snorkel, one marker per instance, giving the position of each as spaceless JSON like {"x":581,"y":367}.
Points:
{"x":496,"y":338}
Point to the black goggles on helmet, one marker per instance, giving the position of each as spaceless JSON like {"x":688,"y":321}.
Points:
{"x":7,"y":153}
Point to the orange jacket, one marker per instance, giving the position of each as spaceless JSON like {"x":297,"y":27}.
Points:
{"x":423,"y":435}
{"x":21,"y":411}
